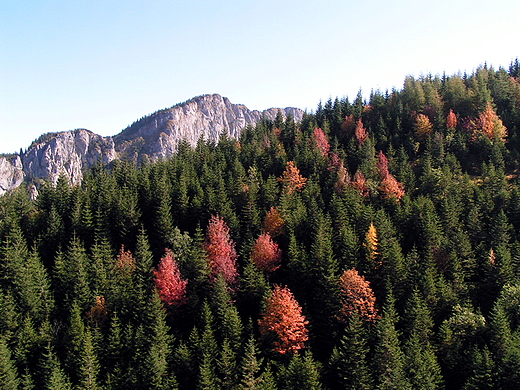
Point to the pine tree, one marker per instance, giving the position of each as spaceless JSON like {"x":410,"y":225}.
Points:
{"x":389,"y":360}
{"x":302,"y":373}
{"x":9,"y":379}
{"x":349,"y":361}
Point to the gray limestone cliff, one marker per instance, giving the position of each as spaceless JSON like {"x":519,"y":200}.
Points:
{"x":207,"y":116}
{"x":155,"y":137}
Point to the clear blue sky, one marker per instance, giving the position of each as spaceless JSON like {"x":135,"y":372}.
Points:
{"x":101,"y":64}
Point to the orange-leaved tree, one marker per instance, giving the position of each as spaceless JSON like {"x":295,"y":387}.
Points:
{"x":282,"y":324}
{"x":292,"y":179}
{"x":423,"y":126}
{"x":360,"y":183}
{"x":371,"y":244}
{"x":361,"y":132}
{"x":390,"y":186}
{"x":356,"y":297}
{"x":221,"y":250}
{"x":273,"y":222}
{"x":451,"y":120}
{"x":491,"y":125}
{"x":170,"y":285}
{"x":266,"y":253}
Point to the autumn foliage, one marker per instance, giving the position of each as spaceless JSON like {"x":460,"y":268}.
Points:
{"x":322,"y":143}
{"x":491,"y":125}
{"x":292,"y":179}
{"x":221,"y":250}
{"x":168,"y":281}
{"x":451,"y":120}
{"x":371,"y":243}
{"x":356,"y":296}
{"x":343,"y":179}
{"x":266,"y":253}
{"x":273,"y":222}
{"x":283,"y":323}
{"x":423,"y":126}
{"x":361,"y":132}
{"x":360,"y":183}
{"x":390,"y":187}
{"x":125,"y":262}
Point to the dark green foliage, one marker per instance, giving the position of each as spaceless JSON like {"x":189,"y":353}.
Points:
{"x":78,"y":305}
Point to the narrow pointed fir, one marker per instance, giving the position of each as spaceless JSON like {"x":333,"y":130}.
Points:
{"x":157,"y":345}
{"x":422,"y":365}
{"x":54,"y":376}
{"x":250,"y":366}
{"x":227,"y":367}
{"x":357,"y":297}
{"x":8,"y":374}
{"x":143,"y":267}
{"x":266,"y":253}
{"x":221,"y":250}
{"x":302,"y":373}
{"x":227,"y":319}
{"x":282,"y":324}
{"x":170,"y":285}
{"x":349,"y":361}
{"x":389,"y":359}
{"x":89,"y":370}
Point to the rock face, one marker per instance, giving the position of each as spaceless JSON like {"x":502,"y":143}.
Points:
{"x":154,"y":137}
{"x":11,"y":173}
{"x":69,"y":152}
{"x":159,"y":134}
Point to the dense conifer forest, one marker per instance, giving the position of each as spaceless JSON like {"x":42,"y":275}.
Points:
{"x":373,"y":245}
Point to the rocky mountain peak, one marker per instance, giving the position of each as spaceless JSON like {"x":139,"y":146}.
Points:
{"x":153,"y":137}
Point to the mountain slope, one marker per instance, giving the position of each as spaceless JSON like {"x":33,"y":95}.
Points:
{"x":153,"y":137}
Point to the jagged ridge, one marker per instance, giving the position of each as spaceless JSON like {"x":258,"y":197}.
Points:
{"x":153,"y":137}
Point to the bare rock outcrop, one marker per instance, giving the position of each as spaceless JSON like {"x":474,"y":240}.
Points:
{"x":11,"y":173}
{"x":207,"y":116}
{"x":68,"y":152}
{"x":153,"y":137}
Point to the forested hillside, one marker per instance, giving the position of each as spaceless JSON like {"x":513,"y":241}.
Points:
{"x":373,"y":245}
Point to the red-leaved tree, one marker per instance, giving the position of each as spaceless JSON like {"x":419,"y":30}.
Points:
{"x":356,"y":296}
{"x":390,"y":186}
{"x":282,"y":323}
{"x":360,"y":183}
{"x":169,"y":282}
{"x":266,"y":253}
{"x":322,"y":143}
{"x":221,"y":251}
{"x":451,"y":120}
{"x":361,"y":133}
